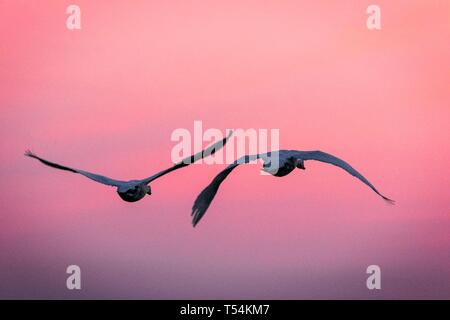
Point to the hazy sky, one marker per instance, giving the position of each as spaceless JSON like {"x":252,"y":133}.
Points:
{"x":106,"y":98}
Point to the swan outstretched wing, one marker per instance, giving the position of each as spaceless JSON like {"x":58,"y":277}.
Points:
{"x":328,"y":158}
{"x":205,"y":197}
{"x":92,"y":176}
{"x":191,"y":159}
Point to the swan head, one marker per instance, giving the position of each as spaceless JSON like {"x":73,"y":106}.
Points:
{"x":299,"y":163}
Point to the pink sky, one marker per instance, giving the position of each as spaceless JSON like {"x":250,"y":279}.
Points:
{"x":106,"y":98}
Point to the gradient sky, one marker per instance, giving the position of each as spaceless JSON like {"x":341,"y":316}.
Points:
{"x":106,"y":98}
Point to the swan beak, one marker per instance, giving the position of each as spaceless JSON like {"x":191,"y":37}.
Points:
{"x":301,"y":164}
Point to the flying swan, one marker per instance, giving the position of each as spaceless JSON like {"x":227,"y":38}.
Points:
{"x":134,"y":190}
{"x":288,"y":160}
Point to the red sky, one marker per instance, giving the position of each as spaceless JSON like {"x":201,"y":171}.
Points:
{"x":106,"y":98}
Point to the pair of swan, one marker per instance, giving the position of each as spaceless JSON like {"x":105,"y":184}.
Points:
{"x":288,"y":160}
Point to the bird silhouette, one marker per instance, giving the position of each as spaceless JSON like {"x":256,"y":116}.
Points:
{"x":134,"y":190}
{"x":287,"y":161}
